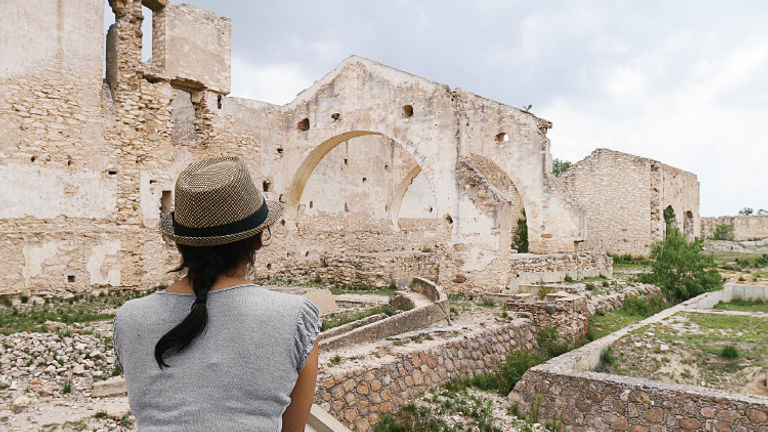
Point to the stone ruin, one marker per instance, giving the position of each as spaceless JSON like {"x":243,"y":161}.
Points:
{"x":386,"y":175}
{"x":389,"y":179}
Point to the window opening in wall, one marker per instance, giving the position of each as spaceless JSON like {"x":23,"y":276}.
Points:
{"x":266,"y":186}
{"x":33,"y":159}
{"x":303,"y":125}
{"x":448,"y":218}
{"x":71,"y":278}
{"x":166,"y":202}
{"x":407,"y":111}
{"x":365,"y":179}
{"x":386,"y":167}
{"x":346,"y":207}
{"x":146,"y":35}
{"x":335,"y":116}
{"x":218,"y":101}
{"x":502,"y":137}
{"x":112,"y":172}
{"x":311,"y":204}
{"x":346,"y":161}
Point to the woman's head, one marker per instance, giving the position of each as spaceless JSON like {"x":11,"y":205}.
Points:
{"x":217,"y":225}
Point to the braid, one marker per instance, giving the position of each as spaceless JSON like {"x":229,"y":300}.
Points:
{"x":204,"y":266}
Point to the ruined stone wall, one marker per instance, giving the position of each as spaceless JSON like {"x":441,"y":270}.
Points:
{"x":744,"y":227}
{"x":358,"y":397}
{"x":625,"y":197}
{"x":596,"y":401}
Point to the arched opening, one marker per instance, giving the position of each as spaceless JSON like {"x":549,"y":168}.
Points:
{"x":361,"y":174}
{"x":688,"y":225}
{"x":670,"y":219}
{"x":513,"y":219}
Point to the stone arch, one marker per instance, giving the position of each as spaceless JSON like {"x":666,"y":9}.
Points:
{"x":500,"y":179}
{"x":688,"y":228}
{"x":310,"y":162}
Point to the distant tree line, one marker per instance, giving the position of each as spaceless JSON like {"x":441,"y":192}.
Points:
{"x":749,"y":211}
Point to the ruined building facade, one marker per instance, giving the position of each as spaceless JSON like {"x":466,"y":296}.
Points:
{"x":386,"y":175}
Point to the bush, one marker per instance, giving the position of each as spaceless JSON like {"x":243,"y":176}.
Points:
{"x":680,"y":269}
{"x":723,"y":232}
{"x":521,"y":234}
{"x":644,"y":307}
{"x":410,"y":418}
{"x":517,"y":363}
{"x":729,"y":352}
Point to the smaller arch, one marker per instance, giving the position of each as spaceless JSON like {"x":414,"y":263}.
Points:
{"x":502,"y":137}
{"x":407,"y":111}
{"x":399,"y":193}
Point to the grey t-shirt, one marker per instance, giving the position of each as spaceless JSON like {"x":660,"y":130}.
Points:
{"x":236,"y":376}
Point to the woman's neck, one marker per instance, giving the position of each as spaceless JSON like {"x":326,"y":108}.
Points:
{"x":184,"y":285}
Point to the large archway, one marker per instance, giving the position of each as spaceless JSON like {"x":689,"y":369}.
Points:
{"x":361,"y":172}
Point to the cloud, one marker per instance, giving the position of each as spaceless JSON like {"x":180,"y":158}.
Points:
{"x":678,"y":81}
{"x":276,"y":83}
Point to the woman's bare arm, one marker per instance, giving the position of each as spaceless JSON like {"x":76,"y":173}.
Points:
{"x":296,"y":415}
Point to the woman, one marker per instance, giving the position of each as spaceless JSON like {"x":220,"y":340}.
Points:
{"x":213,"y":351}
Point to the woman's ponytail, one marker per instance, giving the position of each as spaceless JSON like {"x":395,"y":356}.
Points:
{"x":204,"y":266}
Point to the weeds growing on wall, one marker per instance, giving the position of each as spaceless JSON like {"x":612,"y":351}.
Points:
{"x":680,"y":268}
{"x":723,"y":232}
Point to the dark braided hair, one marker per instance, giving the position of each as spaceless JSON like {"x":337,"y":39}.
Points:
{"x":204,"y":265}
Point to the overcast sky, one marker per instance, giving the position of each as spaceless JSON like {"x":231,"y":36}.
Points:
{"x":684,"y":82}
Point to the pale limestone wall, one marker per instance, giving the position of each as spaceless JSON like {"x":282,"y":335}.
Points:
{"x":625,"y":197}
{"x":83,"y":161}
{"x":197,"y":46}
{"x":744,"y":227}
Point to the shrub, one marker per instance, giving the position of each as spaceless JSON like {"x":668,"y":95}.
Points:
{"x":644,"y":307}
{"x":543,"y":291}
{"x":560,"y":166}
{"x":723,"y":232}
{"x":729,"y":352}
{"x":606,"y":357}
{"x":680,"y":269}
{"x":568,"y":278}
{"x":512,"y":370}
{"x":521,"y":234}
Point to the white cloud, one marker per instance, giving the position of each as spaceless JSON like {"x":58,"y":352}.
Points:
{"x":275,"y":83}
{"x":726,"y":145}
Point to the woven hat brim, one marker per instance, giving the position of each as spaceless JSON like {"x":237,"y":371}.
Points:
{"x":276,"y":210}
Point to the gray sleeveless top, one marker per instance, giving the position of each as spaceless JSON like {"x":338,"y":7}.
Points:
{"x":236,"y":376}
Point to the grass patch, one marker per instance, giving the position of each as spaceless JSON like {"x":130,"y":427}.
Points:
{"x":743,"y":305}
{"x":635,"y":309}
{"x":341,"y":318}
{"x":77,"y":309}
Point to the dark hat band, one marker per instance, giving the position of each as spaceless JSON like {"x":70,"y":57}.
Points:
{"x":254,"y":220}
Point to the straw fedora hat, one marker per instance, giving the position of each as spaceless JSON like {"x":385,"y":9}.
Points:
{"x":216,"y":202}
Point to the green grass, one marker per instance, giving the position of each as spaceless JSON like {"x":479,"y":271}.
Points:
{"x":31,"y":318}
{"x":743,"y":306}
{"x":341,"y":318}
{"x":635,"y":309}
{"x":364,"y":289}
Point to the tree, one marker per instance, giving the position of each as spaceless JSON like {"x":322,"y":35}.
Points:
{"x":680,"y":269}
{"x":746,"y":211}
{"x":521,"y":234}
{"x":762,"y":212}
{"x":560,"y":166}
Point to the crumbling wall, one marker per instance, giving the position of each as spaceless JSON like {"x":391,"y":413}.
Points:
{"x":744,"y":227}
{"x":625,"y":197}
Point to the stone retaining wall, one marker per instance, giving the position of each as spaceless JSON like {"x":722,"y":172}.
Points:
{"x":585,"y":400}
{"x":531,"y":269}
{"x":613,"y":301}
{"x":402,"y":322}
{"x":357,"y":397}
{"x":603,"y":402}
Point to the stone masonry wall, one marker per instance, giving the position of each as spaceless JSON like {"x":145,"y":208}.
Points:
{"x":595,"y":401}
{"x":357,"y":397}
{"x":625,"y":197}
{"x":744,"y":227}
